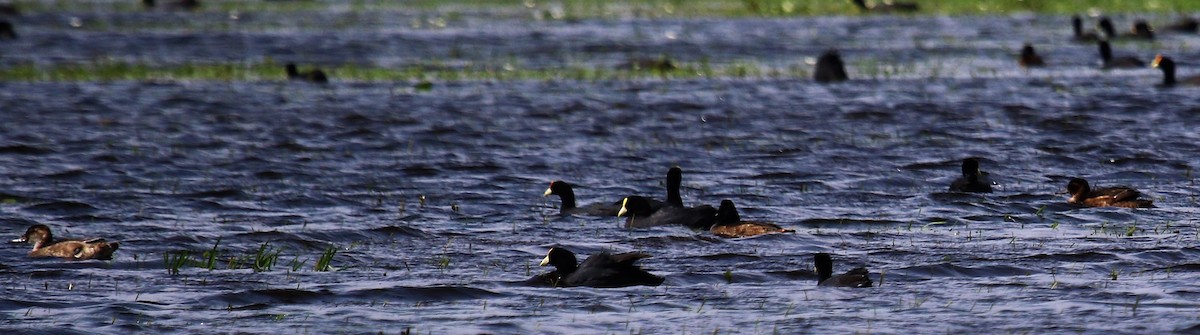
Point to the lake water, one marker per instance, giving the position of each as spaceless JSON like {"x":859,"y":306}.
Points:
{"x":433,"y":199}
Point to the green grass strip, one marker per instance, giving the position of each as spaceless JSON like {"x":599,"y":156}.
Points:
{"x":570,"y":9}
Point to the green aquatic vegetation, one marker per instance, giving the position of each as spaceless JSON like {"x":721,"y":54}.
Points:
{"x":326,"y":258}
{"x":421,"y":76}
{"x":570,"y":10}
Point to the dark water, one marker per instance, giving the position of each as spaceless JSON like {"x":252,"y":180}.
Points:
{"x":433,"y":199}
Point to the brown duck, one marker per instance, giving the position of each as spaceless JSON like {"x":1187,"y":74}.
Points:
{"x":44,"y":245}
{"x":1082,"y":194}
{"x":730,"y":224}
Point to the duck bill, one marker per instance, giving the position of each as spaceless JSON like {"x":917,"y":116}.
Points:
{"x":19,"y":240}
{"x":545,"y":261}
{"x":547,"y":193}
{"x":623,"y":209}
{"x":1157,"y":59}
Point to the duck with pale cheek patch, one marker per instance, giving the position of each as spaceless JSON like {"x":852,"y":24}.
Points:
{"x":44,"y":245}
{"x":601,"y":270}
{"x":566,"y":193}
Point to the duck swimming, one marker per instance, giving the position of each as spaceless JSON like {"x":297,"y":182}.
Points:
{"x":1083,"y":194}
{"x":314,"y":76}
{"x":1167,"y":65}
{"x":565,"y":193}
{"x":830,"y":68}
{"x":601,"y":270}
{"x":973,"y":180}
{"x":44,"y":245}
{"x":729,"y":224}
{"x":857,"y":277}
{"x":1029,"y":57}
{"x":1108,"y":62}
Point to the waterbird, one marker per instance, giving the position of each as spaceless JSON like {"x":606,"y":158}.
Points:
{"x":1029,"y":57}
{"x":173,"y":5}
{"x":857,"y":277}
{"x":887,"y":6}
{"x":6,"y":31}
{"x":729,"y":224}
{"x":1119,"y":196}
{"x":44,"y":245}
{"x":972,"y":180}
{"x":314,"y":76}
{"x":1106,"y":27}
{"x":1080,"y":35}
{"x":1109,"y":62}
{"x":1167,"y":65}
{"x":830,"y":68}
{"x":566,"y":194}
{"x":639,"y":214}
{"x":1141,"y":30}
{"x":1185,"y":24}
{"x":603,"y":270}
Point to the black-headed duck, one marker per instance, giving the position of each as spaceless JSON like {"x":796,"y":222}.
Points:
{"x":1106,"y":27}
{"x":601,"y":270}
{"x":44,"y":245}
{"x":1109,"y":62}
{"x":1167,"y":65}
{"x":972,"y":180}
{"x":1141,"y":30}
{"x":1080,"y":35}
{"x":830,"y":68}
{"x":1083,"y":194}
{"x":6,"y":31}
{"x":887,"y":6}
{"x":729,"y":224}
{"x":1029,"y":57}
{"x":567,"y":194}
{"x":639,"y":214}
{"x":858,"y":277}
{"x":173,"y":5}
{"x":314,"y":76}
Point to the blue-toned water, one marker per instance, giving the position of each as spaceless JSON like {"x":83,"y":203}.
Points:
{"x":433,"y":199}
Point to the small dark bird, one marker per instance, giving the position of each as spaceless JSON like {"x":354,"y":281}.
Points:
{"x":9,"y":9}
{"x":1167,"y":65}
{"x":729,"y":224}
{"x":972,"y":179}
{"x":44,"y":245}
{"x":6,"y":31}
{"x":857,"y":277}
{"x":1080,"y":35}
{"x":887,"y":7}
{"x":1106,"y":26}
{"x":1108,"y":62}
{"x":188,"y":5}
{"x":566,"y":193}
{"x":601,"y":270}
{"x":1141,"y":30}
{"x":314,"y":76}
{"x":639,"y":214}
{"x":830,"y":68}
{"x":1185,"y":24}
{"x":1082,"y":194}
{"x":1030,"y":58}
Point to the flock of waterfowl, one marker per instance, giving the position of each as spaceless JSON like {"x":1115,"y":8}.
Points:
{"x":618,"y":270}
{"x":608,"y":270}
